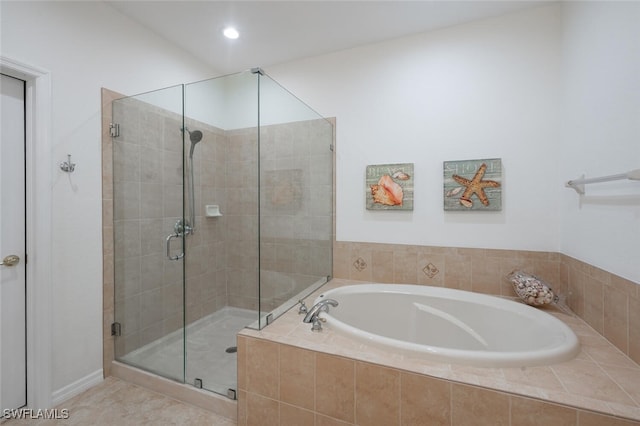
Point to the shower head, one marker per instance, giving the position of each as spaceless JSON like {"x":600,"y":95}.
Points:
{"x":195,"y":137}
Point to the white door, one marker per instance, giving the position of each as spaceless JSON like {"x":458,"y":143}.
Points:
{"x":13,"y":384}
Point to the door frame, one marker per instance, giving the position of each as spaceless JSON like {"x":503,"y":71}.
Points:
{"x":38,"y":188}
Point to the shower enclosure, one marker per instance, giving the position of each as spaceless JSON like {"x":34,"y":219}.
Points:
{"x":223,"y":195}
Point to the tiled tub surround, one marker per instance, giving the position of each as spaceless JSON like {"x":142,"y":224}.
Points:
{"x":608,"y":303}
{"x":290,"y":375}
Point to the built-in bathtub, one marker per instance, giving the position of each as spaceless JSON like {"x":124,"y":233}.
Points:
{"x":450,"y":325}
{"x":287,"y":372}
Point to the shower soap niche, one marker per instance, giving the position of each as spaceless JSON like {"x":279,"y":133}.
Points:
{"x":212,"y":210}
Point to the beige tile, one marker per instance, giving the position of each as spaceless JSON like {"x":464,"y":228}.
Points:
{"x":117,"y":402}
{"x":335,"y":387}
{"x":404,"y":267}
{"x":626,"y":286}
{"x":593,"y":303}
{"x":529,"y":412}
{"x":586,"y":418}
{"x":478,"y":407}
{"x":548,"y":270}
{"x":470,"y":251}
{"x":634,"y":329}
{"x":329,"y":421}
{"x":423,"y":398}
{"x":241,"y":343}
{"x":262,"y":368}
{"x":242,"y":408}
{"x":628,"y":379}
{"x":107,"y":355}
{"x":297,"y":376}
{"x":377,"y":395}
{"x":575,"y":295}
{"x":541,"y":377}
{"x":382,"y":266}
{"x":605,"y":354}
{"x":575,"y":374}
{"x":262,"y":411}
{"x":457,"y":271}
{"x":295,"y":416}
{"x":563,"y":276}
{"x":616,"y":318}
{"x":341,"y":259}
{"x":485,"y":275}
{"x":499,"y":253}
{"x":599,"y":274}
{"x":360,"y":263}
{"x":423,"y":260}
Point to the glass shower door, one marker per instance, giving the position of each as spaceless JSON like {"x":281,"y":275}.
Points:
{"x":296,"y":200}
{"x":222,"y":259}
{"x":148,"y":193}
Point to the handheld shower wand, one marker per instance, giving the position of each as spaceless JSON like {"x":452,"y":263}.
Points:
{"x":195,"y":137}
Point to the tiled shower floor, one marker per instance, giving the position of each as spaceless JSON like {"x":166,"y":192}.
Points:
{"x":206,"y":357}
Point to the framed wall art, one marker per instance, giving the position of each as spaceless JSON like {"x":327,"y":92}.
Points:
{"x":389,"y":187}
{"x":473,"y":185}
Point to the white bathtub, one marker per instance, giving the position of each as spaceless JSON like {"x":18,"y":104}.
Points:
{"x":453,"y":326}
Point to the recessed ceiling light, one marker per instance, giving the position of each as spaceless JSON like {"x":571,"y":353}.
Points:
{"x":231,"y":33}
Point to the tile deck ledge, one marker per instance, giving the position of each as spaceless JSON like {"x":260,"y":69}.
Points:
{"x":601,"y":378}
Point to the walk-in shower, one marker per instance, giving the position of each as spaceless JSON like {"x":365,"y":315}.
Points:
{"x":222,"y":206}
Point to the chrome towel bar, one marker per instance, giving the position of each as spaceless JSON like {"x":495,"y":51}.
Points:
{"x":578,"y":184}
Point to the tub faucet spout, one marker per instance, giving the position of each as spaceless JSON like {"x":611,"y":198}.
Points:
{"x":313,"y":314}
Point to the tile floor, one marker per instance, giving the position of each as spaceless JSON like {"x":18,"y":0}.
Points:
{"x":116,"y":402}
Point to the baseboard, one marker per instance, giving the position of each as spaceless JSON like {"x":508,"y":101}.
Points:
{"x":73,"y":389}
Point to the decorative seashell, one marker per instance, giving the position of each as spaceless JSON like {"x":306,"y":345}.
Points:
{"x":400,"y":175}
{"x":387,"y":192}
{"x":466,"y":202}
{"x":454,"y":191}
{"x":531,"y":289}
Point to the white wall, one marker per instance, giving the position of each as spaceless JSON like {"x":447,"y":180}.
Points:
{"x":601,"y":133}
{"x":481,"y":90}
{"x":85,"y":46}
{"x":231,"y":102}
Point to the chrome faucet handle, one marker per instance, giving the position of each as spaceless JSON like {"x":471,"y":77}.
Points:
{"x":313,"y":316}
{"x":317,"y":326}
{"x":303,"y":308}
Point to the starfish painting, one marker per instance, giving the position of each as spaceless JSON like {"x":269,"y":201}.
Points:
{"x":475,"y":186}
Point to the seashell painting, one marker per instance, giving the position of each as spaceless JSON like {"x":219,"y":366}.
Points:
{"x":389,"y":187}
{"x":473,"y":185}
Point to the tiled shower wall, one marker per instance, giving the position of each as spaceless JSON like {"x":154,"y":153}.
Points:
{"x":607,"y":302}
{"x":147,"y":202}
{"x":296,"y":207}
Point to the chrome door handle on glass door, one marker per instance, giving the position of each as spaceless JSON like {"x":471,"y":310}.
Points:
{"x":10,"y":260}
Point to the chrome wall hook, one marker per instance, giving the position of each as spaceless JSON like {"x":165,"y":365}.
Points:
{"x":68,"y":166}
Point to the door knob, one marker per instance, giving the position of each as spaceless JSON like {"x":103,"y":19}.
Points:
{"x":10,"y":260}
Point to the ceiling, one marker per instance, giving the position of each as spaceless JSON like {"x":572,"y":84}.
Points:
{"x":273,"y":32}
